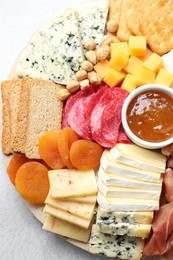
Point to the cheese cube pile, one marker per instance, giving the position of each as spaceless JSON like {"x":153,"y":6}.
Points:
{"x":129,"y":183}
{"x":132,"y":65}
{"x":70,"y":204}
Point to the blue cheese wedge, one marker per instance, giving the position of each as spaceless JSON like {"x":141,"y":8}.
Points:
{"x":110,"y":165}
{"x":40,"y":59}
{"x":123,"y":247}
{"x":92,"y":20}
{"x":114,"y":179}
{"x":131,"y":217}
{"x":132,"y":230}
{"x":64,"y":33}
{"x":138,"y":157}
{"x":126,"y":192}
{"x":126,"y":204}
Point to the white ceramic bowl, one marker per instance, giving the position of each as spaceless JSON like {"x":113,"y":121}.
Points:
{"x":130,"y":134}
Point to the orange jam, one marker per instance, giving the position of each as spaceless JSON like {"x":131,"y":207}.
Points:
{"x":150,"y":116}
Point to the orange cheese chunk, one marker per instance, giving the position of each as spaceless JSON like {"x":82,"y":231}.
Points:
{"x":119,"y":60}
{"x":119,"y":46}
{"x":137,"y":45}
{"x":102,"y":68}
{"x":129,"y":83}
{"x":154,"y":62}
{"x":132,"y":65}
{"x":147,"y":55}
{"x":114,"y":77}
{"x":164,"y":77}
{"x":144,"y":76}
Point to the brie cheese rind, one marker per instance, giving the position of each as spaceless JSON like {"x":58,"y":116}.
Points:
{"x":40,"y":59}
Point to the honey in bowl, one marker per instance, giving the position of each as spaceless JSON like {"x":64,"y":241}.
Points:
{"x":150,"y":116}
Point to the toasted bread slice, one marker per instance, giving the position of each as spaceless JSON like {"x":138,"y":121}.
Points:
{"x":44,"y":113}
{"x":6,"y":117}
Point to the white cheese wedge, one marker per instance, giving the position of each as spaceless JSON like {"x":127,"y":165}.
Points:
{"x":40,"y":59}
{"x":84,"y":199}
{"x":72,"y":183}
{"x":113,"y":179}
{"x":132,"y":230}
{"x":63,"y":31}
{"x":66,"y":229}
{"x":79,"y":209}
{"x":138,"y":157}
{"x":92,"y":20}
{"x":111,"y":166}
{"x":168,"y":61}
{"x":123,"y":247}
{"x":66,"y":216}
{"x":131,"y":217}
{"x":121,"y":204}
{"x":126,"y":192}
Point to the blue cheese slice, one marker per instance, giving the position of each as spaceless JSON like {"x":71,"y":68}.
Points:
{"x":64,"y":33}
{"x":92,"y":20}
{"x":123,"y":247}
{"x":40,"y":59}
{"x":131,"y":217}
{"x":132,"y":230}
{"x":127,"y":192}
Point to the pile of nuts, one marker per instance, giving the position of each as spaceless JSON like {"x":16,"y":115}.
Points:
{"x":86,"y":75}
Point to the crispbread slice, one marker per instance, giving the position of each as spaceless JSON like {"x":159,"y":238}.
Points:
{"x":20,"y":127}
{"x":126,"y":9}
{"x":6,"y":117}
{"x":44,"y":113}
{"x":157,"y":27}
{"x":141,"y":10}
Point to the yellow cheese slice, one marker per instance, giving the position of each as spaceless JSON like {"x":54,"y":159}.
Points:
{"x":66,"y":216}
{"x":85,"y":199}
{"x":72,"y":183}
{"x":66,"y":229}
{"x":79,"y":209}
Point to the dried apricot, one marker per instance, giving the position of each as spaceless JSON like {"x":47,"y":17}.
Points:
{"x":48,"y":150}
{"x":13,"y":166}
{"x":32,"y":182}
{"x":85,"y":154}
{"x":65,"y":139}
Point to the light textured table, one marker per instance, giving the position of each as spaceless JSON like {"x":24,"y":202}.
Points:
{"x":21,"y":234}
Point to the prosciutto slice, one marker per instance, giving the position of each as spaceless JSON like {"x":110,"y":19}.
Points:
{"x":161,"y":240}
{"x":168,"y":184}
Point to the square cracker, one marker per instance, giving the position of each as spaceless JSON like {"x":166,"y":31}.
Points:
{"x":141,"y":10}
{"x":126,"y":9}
{"x":157,"y":27}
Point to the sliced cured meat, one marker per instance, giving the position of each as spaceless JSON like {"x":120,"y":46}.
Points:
{"x":161,"y":240}
{"x":168,"y":183}
{"x":169,"y":163}
{"x":106,"y":117}
{"x":74,"y":114}
{"x":122,"y":137}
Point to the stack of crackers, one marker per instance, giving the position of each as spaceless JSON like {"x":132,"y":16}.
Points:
{"x":149,"y":18}
{"x":30,"y":107}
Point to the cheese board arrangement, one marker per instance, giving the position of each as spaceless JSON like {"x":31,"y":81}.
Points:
{"x":87,"y":127}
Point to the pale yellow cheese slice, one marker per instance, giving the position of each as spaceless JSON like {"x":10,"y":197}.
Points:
{"x":72,"y":183}
{"x":66,"y":229}
{"x":86,"y":199}
{"x":66,"y":216}
{"x":79,"y":209}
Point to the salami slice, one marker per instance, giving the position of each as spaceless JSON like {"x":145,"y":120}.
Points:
{"x":122,"y":137}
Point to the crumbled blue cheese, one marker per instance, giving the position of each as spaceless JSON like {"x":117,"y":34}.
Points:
{"x":123,"y":247}
{"x":92,"y":20}
{"x":64,"y":33}
{"x":40,"y":59}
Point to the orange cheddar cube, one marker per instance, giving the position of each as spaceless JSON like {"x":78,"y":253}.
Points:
{"x":119,"y":60}
{"x":129,"y":83}
{"x":102,"y":68}
{"x":154,"y":62}
{"x":114,"y":77}
{"x":137,"y":45}
{"x":147,"y":55}
{"x":132,"y":65}
{"x":143,"y":76}
{"x":164,"y":77}
{"x":119,"y":46}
